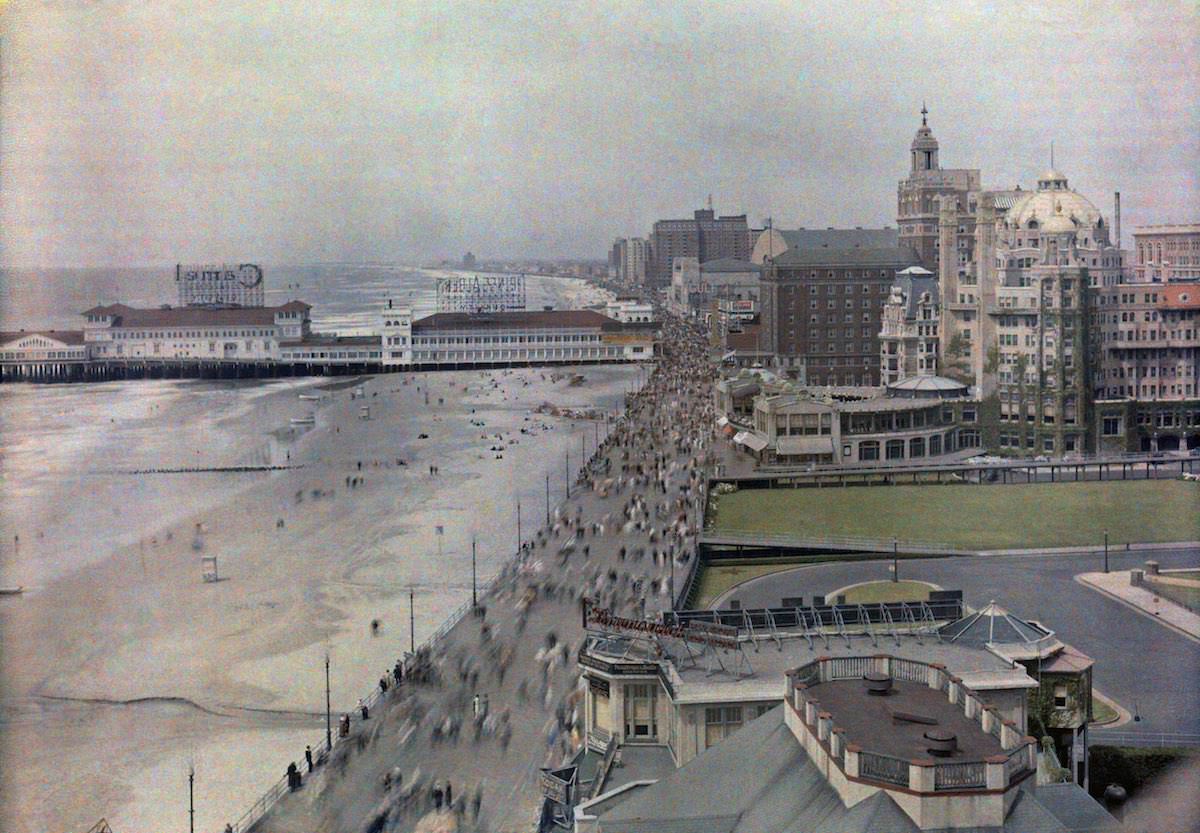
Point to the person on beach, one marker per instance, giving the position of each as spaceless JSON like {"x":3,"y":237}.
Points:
{"x":362,"y":707}
{"x":308,"y":757}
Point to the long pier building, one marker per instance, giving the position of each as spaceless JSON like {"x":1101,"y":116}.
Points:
{"x":120,"y":342}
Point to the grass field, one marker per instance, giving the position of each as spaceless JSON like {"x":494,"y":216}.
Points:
{"x":976,"y":517}
{"x":1102,"y":712}
{"x":885,"y":591}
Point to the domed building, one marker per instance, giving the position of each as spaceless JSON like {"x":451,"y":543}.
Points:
{"x":1052,"y":250}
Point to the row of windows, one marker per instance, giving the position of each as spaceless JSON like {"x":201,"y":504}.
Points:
{"x":469,"y":355}
{"x":514,"y":339}
{"x":26,"y":355}
{"x":135,"y":335}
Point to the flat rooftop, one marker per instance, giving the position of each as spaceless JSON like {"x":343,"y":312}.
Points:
{"x":874,"y":722}
{"x":766,"y":677}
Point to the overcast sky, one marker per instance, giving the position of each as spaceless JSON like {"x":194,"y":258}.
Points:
{"x":296,"y":131}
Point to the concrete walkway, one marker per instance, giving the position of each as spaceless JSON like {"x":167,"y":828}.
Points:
{"x":1116,"y":585}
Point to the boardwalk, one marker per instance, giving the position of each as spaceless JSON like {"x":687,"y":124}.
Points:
{"x":629,"y":525}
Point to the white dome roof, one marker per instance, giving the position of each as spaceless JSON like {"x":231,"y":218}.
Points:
{"x":1058,"y":224}
{"x":928,"y":383}
{"x":1053,"y":197}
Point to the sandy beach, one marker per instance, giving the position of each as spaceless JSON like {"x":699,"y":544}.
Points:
{"x":120,"y":665}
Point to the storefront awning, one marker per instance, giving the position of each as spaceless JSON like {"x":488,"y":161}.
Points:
{"x":751,"y":441}
{"x":795,"y":446}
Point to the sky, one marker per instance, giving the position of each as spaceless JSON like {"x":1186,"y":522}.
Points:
{"x":146,"y":133}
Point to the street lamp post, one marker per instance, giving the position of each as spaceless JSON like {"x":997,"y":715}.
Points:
{"x":328,"y":712}
{"x":412,"y":624}
{"x":895,"y":560}
{"x":520,"y":540}
{"x":191,"y":798}
{"x":1106,"y":550}
{"x":474,"y":592}
{"x":567,"y":468}
{"x":547,"y":500}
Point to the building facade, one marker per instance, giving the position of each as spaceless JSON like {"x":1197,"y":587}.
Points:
{"x":705,"y":236}
{"x":922,"y":419}
{"x":822,"y":310}
{"x":1149,"y":341}
{"x":908,"y":339}
{"x":628,"y":260}
{"x":1167,"y":253}
{"x":922,"y":192}
{"x":530,"y":337}
{"x":696,"y":286}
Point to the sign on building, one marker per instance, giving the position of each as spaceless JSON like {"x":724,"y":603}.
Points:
{"x":557,"y":784}
{"x":231,"y":285}
{"x":704,"y":633}
{"x":481,"y":293}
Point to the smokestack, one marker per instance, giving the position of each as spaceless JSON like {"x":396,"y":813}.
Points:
{"x":1117,"y":218}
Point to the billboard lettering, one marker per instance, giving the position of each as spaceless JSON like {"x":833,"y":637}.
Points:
{"x":481,"y":293}
{"x":234,"y":285}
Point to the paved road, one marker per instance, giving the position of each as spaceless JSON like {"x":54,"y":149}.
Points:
{"x":1142,"y":664}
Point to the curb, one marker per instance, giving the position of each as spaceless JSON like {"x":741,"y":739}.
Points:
{"x":1185,"y":634}
{"x":1113,"y":548}
{"x":1123,"y":716}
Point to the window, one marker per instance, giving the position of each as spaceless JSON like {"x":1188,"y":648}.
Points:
{"x":916,"y":447}
{"x":640,"y":719}
{"x":895,"y":449}
{"x":720,"y":722}
{"x":868,"y":450}
{"x":1111,"y":426}
{"x":1060,"y":697}
{"x":935,"y":445}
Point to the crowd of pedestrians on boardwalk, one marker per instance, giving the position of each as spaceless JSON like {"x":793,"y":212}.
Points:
{"x":628,"y":531}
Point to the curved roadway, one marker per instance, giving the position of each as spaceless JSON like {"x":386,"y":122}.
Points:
{"x":1147,"y":667}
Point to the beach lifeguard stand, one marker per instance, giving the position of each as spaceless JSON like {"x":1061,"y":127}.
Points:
{"x":208,"y":568}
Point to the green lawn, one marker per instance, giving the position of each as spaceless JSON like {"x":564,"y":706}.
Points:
{"x":974,"y":516}
{"x":1102,"y":712}
{"x":886,"y":591}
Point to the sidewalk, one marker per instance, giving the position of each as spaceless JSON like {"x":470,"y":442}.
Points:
{"x":1116,"y":585}
{"x":1098,"y":550}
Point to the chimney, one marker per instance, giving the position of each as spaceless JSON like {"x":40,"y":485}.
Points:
{"x":1117,"y":218}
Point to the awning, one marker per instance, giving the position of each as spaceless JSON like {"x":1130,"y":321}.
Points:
{"x":795,"y":446}
{"x":751,"y":441}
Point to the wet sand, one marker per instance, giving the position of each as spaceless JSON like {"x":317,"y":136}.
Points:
{"x":230,"y":674}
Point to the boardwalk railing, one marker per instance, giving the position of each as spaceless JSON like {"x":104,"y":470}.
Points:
{"x":1103,"y":737}
{"x":751,"y":538}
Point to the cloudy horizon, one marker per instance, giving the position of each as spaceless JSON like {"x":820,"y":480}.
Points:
{"x":339,"y":131}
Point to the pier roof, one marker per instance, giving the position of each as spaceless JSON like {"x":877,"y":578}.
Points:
{"x":540,"y":319}
{"x":126,"y":316}
{"x":64,"y":336}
